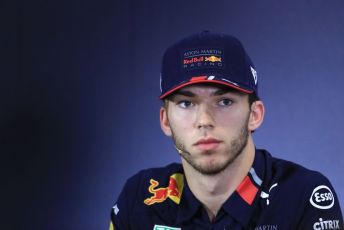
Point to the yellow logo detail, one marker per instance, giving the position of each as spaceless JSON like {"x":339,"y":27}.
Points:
{"x":173,"y":190}
{"x":213,"y":59}
{"x":111,"y":226}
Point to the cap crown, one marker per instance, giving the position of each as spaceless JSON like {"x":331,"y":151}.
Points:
{"x":207,"y":57}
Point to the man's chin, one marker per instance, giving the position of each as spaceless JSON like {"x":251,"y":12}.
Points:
{"x":206,"y":162}
{"x":210,"y":169}
{"x":209,"y":166}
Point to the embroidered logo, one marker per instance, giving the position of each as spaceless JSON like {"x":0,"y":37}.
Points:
{"x":172,"y":191}
{"x":326,"y":224}
{"x":254,"y":74}
{"x":322,"y":197}
{"x":115,"y":209}
{"x":203,"y":58}
{"x":160,"y":227}
{"x":266,"y":227}
{"x":213,"y":59}
{"x":265,"y":195}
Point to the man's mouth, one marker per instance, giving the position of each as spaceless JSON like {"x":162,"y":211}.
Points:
{"x":207,"y":144}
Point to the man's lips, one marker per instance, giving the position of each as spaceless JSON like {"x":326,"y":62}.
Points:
{"x":207,"y":144}
{"x":207,"y":141}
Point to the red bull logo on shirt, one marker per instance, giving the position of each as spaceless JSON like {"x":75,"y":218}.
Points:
{"x":172,"y":191}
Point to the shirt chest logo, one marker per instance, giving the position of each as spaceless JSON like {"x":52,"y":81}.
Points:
{"x":160,"y":227}
{"x":172,"y":191}
{"x":266,"y":227}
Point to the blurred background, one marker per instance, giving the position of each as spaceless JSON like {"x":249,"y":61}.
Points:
{"x":80,"y":84}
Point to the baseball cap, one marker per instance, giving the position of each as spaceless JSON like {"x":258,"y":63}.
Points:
{"x":207,"y":57}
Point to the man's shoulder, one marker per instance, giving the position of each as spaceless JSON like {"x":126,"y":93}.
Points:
{"x":147,"y":195}
{"x":305,"y":195}
{"x":285,"y":170}
{"x":153,"y":185}
{"x":289,"y":182}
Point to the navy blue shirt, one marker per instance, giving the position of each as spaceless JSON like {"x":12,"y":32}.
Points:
{"x":275,"y":195}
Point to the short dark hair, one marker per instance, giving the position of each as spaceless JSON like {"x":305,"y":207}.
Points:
{"x":252,"y":98}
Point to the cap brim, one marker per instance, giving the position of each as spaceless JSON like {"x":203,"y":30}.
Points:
{"x":205,"y":81}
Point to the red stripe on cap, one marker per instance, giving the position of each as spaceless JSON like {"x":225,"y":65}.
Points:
{"x":247,"y":190}
{"x":204,"y":81}
{"x":196,"y":79}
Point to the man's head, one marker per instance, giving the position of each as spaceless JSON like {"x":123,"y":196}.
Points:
{"x":209,"y":86}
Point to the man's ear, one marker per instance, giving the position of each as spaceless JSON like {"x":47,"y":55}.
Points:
{"x":256,"y":115}
{"x":164,"y":123}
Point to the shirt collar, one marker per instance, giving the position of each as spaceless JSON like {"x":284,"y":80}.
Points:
{"x":189,"y":205}
{"x":240,"y":205}
{"x":243,"y":202}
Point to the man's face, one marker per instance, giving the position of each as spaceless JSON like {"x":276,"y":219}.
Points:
{"x":209,"y":125}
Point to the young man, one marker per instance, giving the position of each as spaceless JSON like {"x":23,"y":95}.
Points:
{"x":211,"y":109}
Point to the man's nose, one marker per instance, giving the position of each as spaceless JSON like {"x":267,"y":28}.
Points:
{"x":205,"y":117}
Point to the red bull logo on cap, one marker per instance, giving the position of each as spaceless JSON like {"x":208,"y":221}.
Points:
{"x":213,"y":59}
{"x":173,"y":190}
{"x":203,"y":58}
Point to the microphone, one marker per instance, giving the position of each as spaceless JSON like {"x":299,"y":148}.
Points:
{"x":179,"y":150}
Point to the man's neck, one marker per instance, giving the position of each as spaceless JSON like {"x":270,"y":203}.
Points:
{"x":213,"y":190}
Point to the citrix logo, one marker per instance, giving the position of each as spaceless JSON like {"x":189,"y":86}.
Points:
{"x":326,"y":224}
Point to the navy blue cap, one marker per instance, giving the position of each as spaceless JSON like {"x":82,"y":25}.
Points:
{"x":207,"y":58}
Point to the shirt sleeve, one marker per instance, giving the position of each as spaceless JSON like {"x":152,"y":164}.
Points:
{"x":321,"y":209}
{"x":123,"y":208}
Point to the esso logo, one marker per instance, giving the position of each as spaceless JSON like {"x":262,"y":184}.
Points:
{"x":322,"y":197}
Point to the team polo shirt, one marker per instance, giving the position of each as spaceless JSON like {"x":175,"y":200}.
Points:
{"x":275,"y":195}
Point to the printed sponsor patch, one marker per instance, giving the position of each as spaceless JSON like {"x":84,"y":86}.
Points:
{"x":173,"y":190}
{"x":201,"y":58}
{"x":160,"y":227}
{"x":265,"y":195}
{"x":266,"y":227}
{"x":322,"y":197}
{"x":326,"y":224}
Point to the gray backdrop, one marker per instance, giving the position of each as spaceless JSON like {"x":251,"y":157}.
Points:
{"x":80,"y":107}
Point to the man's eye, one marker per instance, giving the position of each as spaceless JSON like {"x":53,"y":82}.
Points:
{"x":225,"y":102}
{"x":185,"y":104}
